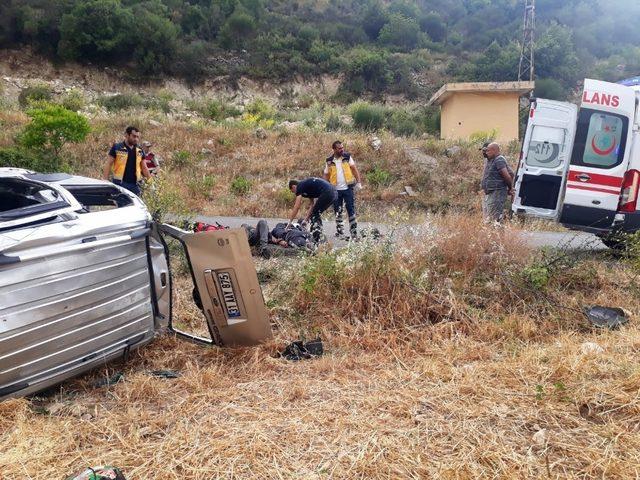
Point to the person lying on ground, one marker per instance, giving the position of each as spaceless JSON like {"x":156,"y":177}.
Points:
{"x":321,"y":195}
{"x":295,"y":237}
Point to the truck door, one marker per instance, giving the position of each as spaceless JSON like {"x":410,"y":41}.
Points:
{"x":600,"y":156}
{"x":226,"y":288}
{"x":546,"y":151}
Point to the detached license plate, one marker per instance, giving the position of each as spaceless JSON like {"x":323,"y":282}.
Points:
{"x":229,"y":295}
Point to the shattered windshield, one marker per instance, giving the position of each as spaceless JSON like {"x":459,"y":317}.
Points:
{"x":21,"y":198}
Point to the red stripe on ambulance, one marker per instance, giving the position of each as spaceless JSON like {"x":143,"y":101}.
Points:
{"x":595,"y":178}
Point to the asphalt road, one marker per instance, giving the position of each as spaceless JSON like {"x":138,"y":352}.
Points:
{"x":537,"y":239}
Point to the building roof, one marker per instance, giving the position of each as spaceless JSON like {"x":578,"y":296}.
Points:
{"x":448,"y":89}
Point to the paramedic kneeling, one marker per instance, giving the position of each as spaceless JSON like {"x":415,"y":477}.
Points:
{"x":497,"y":183}
{"x":321,"y":195}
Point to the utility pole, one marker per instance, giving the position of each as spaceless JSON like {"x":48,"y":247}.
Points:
{"x":525,"y":68}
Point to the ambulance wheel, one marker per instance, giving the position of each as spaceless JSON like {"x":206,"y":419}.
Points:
{"x":617,"y":241}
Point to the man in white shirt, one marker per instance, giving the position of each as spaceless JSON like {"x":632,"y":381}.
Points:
{"x":341,"y":171}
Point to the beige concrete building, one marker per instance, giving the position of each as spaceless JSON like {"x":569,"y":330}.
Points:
{"x":471,"y":108}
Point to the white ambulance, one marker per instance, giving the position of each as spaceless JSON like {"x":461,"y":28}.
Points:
{"x":581,"y":166}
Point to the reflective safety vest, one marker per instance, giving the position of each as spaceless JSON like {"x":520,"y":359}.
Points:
{"x":346,"y":168}
{"x":120,"y":163}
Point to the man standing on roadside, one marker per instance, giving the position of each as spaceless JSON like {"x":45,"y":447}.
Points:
{"x":497,"y":183}
{"x":321,"y":195}
{"x":126,"y":163}
{"x":341,"y":171}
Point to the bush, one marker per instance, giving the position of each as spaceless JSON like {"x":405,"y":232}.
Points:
{"x":240,"y":186}
{"x":285,"y":197}
{"x":34,"y":93}
{"x":367,"y":116}
{"x":368,"y":69}
{"x":121,"y":101}
{"x":400,"y":31}
{"x":73,"y":100}
{"x":549,"y":88}
{"x":162,"y":196}
{"x":378,"y":177}
{"x":333,"y":124}
{"x":237,"y":29}
{"x":215,"y":109}
{"x":201,"y":185}
{"x":261,"y":108}
{"x":51,"y":127}
{"x":97,"y":30}
{"x":31,"y":160}
{"x":181,"y":158}
{"x":401,"y":123}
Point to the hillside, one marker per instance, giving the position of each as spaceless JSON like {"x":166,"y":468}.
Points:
{"x":372,"y":47}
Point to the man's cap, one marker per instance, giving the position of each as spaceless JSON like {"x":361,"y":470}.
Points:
{"x":146,"y":143}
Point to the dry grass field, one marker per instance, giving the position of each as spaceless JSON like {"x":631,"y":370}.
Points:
{"x":202,"y":159}
{"x":462,"y":356}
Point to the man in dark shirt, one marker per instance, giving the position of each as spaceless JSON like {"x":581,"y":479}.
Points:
{"x":125,"y":162}
{"x":497,"y":183}
{"x":321,"y":195}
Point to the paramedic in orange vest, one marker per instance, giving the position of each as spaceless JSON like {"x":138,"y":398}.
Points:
{"x":126,"y":163}
{"x":341,"y":171}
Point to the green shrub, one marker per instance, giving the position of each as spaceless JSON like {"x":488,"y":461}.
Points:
{"x":201,"y":185}
{"x":400,"y":31}
{"x":181,"y":158}
{"x":214,"y":109}
{"x":285,"y":197}
{"x":261,"y":108}
{"x":367,"y":116}
{"x":333,"y":123}
{"x":31,"y":160}
{"x":378,"y":177}
{"x":34,"y":93}
{"x":240,"y":186}
{"x":401,"y":123}
{"x":121,"y":101}
{"x":74,"y":100}
{"x":51,"y":127}
{"x":162,"y":196}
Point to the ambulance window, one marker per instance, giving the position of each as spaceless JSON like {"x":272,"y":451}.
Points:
{"x":600,"y":139}
{"x":545,"y":146}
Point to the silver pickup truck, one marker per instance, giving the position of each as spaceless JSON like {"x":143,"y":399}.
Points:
{"x":85,"y":278}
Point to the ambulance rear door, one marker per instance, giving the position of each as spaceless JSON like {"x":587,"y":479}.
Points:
{"x":600,"y":156}
{"x":545,"y":156}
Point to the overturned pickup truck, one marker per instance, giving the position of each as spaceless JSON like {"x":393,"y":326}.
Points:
{"x":85,"y":278}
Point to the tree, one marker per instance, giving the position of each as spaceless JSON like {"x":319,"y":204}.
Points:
{"x":368,"y":68}
{"x":238,"y":28}
{"x":400,"y":31}
{"x":556,"y":57}
{"x":51,"y":127}
{"x":496,"y":64}
{"x":433,"y":25}
{"x":375,"y":16}
{"x":156,"y":40}
{"x":549,"y":88}
{"x":97,"y":30}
